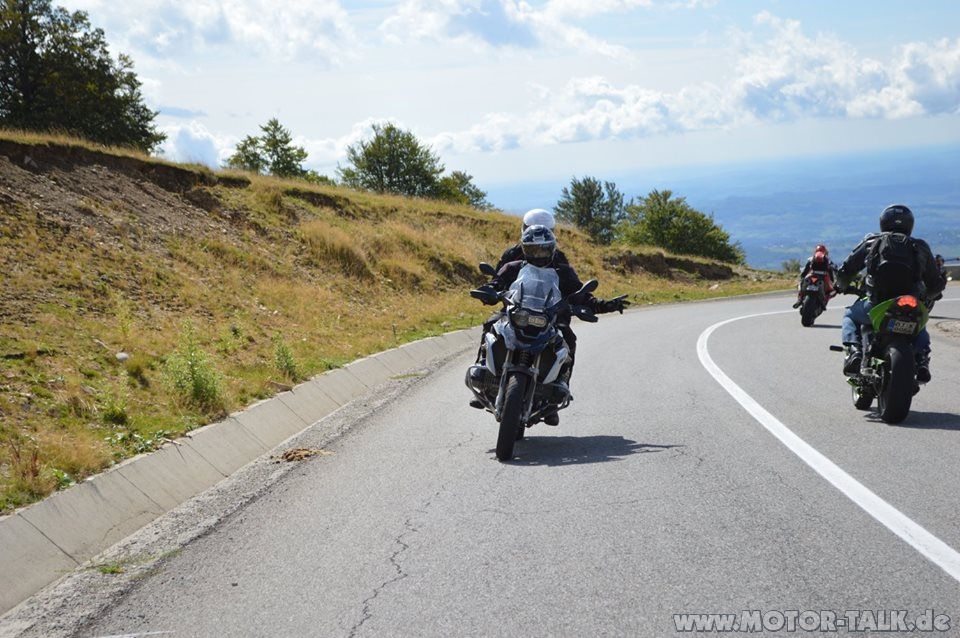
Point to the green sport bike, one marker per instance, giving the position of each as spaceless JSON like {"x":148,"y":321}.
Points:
{"x":888,"y":372}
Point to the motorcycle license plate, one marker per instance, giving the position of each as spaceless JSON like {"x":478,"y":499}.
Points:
{"x":812,"y":289}
{"x":903,"y":327}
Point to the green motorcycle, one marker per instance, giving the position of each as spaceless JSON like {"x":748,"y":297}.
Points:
{"x":888,"y":372}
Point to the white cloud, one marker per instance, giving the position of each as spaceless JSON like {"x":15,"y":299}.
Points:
{"x":786,"y":76}
{"x":584,"y":8}
{"x":193,"y":142}
{"x":172,"y":28}
{"x":501,"y":24}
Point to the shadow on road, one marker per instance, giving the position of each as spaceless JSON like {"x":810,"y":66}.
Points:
{"x":575,"y":450}
{"x":825,"y":325}
{"x":927,"y":421}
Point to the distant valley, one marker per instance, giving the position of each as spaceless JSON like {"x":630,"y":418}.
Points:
{"x":779,"y":210}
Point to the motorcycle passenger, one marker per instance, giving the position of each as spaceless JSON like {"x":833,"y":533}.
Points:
{"x":539,"y":246}
{"x":924,"y":282}
{"x":533,"y":217}
{"x":820,"y":264}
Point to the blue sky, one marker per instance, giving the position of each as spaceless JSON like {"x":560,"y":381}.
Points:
{"x":511,"y":90}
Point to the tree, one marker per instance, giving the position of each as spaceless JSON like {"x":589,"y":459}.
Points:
{"x":314,"y":177}
{"x":392,"y":161}
{"x":248,"y":156}
{"x":459,"y":187}
{"x":671,"y":223}
{"x":56,"y":73}
{"x":273,"y":152}
{"x":285,"y":159}
{"x":594,"y":207}
{"x":791,"y":266}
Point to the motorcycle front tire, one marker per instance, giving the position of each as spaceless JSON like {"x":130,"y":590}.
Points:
{"x":808,"y":311}
{"x":511,"y":416}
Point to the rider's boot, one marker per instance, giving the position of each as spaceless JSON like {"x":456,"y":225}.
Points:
{"x":851,"y":364}
{"x":923,"y":366}
{"x":552,"y":419}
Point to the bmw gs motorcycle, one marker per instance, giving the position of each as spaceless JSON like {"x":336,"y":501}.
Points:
{"x":888,"y":372}
{"x":519,"y":378}
{"x":813,"y":291}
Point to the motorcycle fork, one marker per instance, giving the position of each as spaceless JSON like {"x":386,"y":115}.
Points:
{"x":530,"y":370}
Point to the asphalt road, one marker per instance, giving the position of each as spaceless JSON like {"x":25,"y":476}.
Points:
{"x":658,"y":494}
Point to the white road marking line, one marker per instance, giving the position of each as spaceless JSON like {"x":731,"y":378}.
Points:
{"x":935,"y":550}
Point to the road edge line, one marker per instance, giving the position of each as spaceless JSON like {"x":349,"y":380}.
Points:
{"x":931,"y":547}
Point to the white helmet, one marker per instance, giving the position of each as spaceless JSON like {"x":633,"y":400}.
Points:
{"x":539,"y":217}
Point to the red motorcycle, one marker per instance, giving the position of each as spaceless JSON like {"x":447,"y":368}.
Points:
{"x":815,"y":292}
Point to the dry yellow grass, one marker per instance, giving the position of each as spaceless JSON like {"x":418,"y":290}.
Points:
{"x":332,"y":274}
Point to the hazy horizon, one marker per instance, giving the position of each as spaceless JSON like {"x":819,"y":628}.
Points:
{"x":779,"y":209}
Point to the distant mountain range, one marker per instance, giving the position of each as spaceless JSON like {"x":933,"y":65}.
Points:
{"x":780,"y":209}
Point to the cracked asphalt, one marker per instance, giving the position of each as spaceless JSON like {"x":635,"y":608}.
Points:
{"x":656,"y":495}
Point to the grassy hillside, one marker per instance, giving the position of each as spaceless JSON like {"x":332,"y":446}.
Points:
{"x":140,"y":299}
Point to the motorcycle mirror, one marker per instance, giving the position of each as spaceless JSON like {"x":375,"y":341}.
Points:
{"x":487,"y":269}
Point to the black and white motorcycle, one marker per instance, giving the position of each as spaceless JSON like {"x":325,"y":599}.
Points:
{"x":519,"y":378}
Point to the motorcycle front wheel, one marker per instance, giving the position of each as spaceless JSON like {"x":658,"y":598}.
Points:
{"x":808,"y":311}
{"x":510,"y":418}
{"x":896,"y":391}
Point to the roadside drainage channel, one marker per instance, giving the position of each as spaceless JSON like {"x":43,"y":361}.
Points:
{"x":45,"y":541}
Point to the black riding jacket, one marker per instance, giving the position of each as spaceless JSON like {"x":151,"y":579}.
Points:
{"x":569,"y":281}
{"x":931,"y":282}
{"x":515,"y":253}
{"x":831,"y":269}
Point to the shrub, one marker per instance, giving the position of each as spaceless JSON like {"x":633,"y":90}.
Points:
{"x":115,"y":410}
{"x":670,"y":222}
{"x":285,"y":361}
{"x":191,"y":374}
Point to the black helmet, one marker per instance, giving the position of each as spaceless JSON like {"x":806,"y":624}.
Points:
{"x":896,"y":218}
{"x":539,"y":243}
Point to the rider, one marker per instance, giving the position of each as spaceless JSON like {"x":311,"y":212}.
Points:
{"x":820,"y":264}
{"x":539,"y":248}
{"x":533,"y":217}
{"x":927,"y":282}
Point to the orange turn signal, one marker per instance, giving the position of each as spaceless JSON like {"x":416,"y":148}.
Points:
{"x":907,"y":301}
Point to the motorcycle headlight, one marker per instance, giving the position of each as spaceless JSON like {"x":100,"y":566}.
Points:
{"x":521,"y":318}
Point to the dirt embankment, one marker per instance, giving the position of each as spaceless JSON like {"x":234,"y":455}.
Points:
{"x":661,"y":265}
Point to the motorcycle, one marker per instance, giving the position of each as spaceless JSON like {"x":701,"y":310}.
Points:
{"x":814,"y":297}
{"x":519,"y":379}
{"x":888,"y":372}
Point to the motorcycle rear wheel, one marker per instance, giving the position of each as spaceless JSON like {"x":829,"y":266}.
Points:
{"x":896,"y":391}
{"x":510,"y":418}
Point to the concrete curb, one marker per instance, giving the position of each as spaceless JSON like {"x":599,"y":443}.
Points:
{"x":47,"y":540}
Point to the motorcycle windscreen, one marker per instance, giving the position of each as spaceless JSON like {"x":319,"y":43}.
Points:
{"x":536,"y":288}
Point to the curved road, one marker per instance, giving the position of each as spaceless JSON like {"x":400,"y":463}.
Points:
{"x":658,"y":494}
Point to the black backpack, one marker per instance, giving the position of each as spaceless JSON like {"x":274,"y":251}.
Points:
{"x":893,"y":265}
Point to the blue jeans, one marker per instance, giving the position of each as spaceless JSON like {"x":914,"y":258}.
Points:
{"x":856,"y":316}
